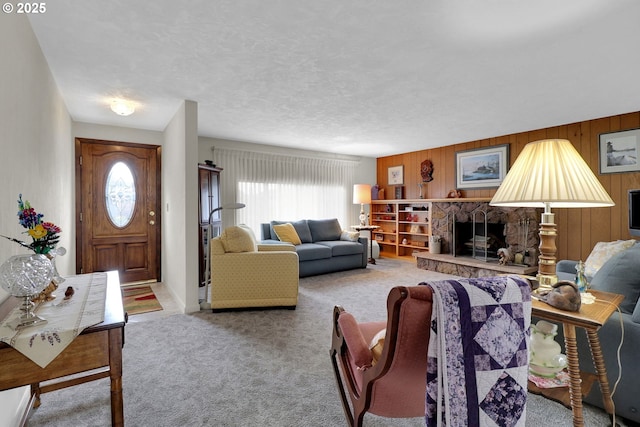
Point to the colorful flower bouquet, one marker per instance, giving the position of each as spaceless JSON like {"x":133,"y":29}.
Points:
{"x":45,"y":235}
{"x":44,"y":238}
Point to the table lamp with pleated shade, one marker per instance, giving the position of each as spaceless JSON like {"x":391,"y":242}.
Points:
{"x":550,"y":174}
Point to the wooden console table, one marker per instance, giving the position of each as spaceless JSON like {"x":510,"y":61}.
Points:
{"x":590,"y":317}
{"x":96,"y":353}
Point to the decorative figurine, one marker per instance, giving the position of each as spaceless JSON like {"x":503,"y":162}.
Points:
{"x":581,"y":280}
{"x":504,"y":255}
{"x":426,"y":171}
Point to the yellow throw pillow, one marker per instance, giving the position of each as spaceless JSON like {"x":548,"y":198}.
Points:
{"x":237,"y":239}
{"x":287,"y":233}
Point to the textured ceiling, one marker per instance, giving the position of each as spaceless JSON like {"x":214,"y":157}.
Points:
{"x":361,"y":77}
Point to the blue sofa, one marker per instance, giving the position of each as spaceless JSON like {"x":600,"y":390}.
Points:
{"x":621,"y":275}
{"x":325,"y":248}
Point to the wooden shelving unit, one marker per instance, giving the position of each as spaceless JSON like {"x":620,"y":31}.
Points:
{"x":405,"y":225}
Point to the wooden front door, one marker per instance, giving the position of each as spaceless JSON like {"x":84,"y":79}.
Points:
{"x":117,"y":199}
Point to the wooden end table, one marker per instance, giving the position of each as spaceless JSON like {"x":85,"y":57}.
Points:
{"x":369,"y":228}
{"x":95,"y":353}
{"x":590,"y":317}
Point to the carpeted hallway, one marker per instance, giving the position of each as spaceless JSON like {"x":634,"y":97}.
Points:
{"x":252,"y":368}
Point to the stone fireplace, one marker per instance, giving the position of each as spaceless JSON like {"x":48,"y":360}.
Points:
{"x":513,"y":228}
{"x":472,"y":229}
{"x":478,"y":239}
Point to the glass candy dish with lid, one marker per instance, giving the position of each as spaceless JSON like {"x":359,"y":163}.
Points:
{"x":25,"y":276}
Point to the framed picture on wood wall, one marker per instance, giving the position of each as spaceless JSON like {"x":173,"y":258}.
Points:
{"x":396,"y":175}
{"x":482,"y":167}
{"x":619,"y":151}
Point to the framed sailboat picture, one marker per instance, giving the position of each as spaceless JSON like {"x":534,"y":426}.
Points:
{"x":482,"y":167}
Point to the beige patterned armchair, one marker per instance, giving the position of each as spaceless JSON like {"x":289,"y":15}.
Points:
{"x":246,"y":275}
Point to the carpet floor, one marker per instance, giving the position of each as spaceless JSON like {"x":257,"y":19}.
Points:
{"x":253,"y":368}
{"x":139,"y":299}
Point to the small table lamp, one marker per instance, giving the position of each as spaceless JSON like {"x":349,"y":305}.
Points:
{"x":362,"y":195}
{"x":550,"y":173}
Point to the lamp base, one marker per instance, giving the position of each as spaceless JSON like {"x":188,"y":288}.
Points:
{"x":546,"y":281}
{"x":547,"y":259}
{"x":362,"y":217}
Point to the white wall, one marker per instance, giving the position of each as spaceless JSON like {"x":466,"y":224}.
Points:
{"x":180,"y":204}
{"x":117,"y":133}
{"x":37,"y":155}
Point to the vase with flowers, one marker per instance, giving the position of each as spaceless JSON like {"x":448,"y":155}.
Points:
{"x":45,"y":236}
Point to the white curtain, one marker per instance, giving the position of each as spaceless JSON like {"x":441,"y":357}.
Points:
{"x":285,"y":188}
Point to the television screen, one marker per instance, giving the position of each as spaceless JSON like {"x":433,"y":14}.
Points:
{"x":634,"y":212}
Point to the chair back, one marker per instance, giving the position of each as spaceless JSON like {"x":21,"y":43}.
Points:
{"x":398,"y":390}
{"x":395,"y":386}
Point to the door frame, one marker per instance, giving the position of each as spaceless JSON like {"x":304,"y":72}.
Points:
{"x":78,"y":204}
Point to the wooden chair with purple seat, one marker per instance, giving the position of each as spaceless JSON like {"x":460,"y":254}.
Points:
{"x":394,"y":386}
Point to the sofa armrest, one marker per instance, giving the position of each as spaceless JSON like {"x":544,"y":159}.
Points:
{"x":275,"y":247}
{"x":635,"y":317}
{"x":265,"y":232}
{"x":566,"y":266}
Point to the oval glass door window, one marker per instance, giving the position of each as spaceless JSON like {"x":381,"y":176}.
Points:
{"x":120,"y":194}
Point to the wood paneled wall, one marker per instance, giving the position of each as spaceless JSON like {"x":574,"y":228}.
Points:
{"x":578,"y":229}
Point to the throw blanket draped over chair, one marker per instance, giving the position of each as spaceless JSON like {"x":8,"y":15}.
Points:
{"x":478,"y":352}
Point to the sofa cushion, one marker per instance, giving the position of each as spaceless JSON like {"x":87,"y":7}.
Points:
{"x":621,"y":275}
{"x":324,"y":229}
{"x":312,"y":251}
{"x":340,"y":247}
{"x":238,"y":239}
{"x":287,"y":233}
{"x":302,"y":228}
{"x":601,"y":253}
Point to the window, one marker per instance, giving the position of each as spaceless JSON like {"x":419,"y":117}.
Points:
{"x":285,"y":188}
{"x":120,"y":194}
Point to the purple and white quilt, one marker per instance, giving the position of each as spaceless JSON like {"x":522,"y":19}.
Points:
{"x":478,"y":352}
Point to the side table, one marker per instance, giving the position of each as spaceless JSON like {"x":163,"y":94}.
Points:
{"x":369,"y":228}
{"x":96,"y":353}
{"x":590,"y":317}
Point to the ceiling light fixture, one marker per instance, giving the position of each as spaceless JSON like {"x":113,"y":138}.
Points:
{"x":122,"y":107}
